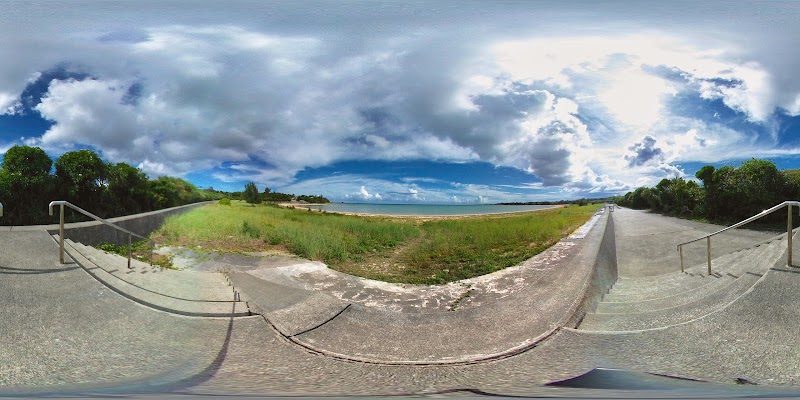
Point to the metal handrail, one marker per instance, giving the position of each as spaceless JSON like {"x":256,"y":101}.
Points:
{"x":764,"y":213}
{"x":62,"y":203}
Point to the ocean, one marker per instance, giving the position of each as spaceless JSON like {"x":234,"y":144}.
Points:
{"x":424,"y":209}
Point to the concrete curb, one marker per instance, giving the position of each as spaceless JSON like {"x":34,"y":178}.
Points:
{"x":598,"y":256}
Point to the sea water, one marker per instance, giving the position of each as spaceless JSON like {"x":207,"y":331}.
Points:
{"x":425,"y":209}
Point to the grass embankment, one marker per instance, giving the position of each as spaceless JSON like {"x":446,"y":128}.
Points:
{"x":407,"y":250}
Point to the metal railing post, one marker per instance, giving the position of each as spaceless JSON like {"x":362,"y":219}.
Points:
{"x":790,"y":204}
{"x":61,"y":234}
{"x":789,"y":236}
{"x":61,"y":205}
{"x":680,"y":248}
{"x":129,"y":251}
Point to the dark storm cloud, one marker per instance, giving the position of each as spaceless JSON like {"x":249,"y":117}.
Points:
{"x":644,"y":152}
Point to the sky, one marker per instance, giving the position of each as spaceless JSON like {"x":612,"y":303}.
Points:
{"x":406,"y":101}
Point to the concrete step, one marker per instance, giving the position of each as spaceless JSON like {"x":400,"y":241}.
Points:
{"x":755,"y":263}
{"x":653,"y":304}
{"x":720,"y":265}
{"x":698,"y":267}
{"x":676,"y":281}
{"x":188,"y":285}
{"x":633,"y":321}
{"x":159,"y":301}
{"x":681,"y":284}
{"x":662,"y":301}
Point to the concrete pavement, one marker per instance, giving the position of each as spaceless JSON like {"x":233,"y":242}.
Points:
{"x":646,"y":242}
{"x":64,"y":331}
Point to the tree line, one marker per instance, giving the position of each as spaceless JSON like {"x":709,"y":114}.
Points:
{"x":727,"y":194}
{"x":252,"y":196}
{"x":28,"y":184}
{"x":30,"y":180}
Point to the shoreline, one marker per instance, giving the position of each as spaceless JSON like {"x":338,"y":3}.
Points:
{"x":410,"y":216}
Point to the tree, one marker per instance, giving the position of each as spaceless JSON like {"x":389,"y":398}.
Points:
{"x":128,"y":189}
{"x":170,"y":192}
{"x":251,"y":194}
{"x":26,"y":185}
{"x":27,"y":161}
{"x":81,"y":177}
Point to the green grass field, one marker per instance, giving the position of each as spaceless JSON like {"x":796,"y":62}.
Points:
{"x":405,"y":250}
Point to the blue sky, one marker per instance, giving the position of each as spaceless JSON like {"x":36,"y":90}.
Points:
{"x":429,"y":101}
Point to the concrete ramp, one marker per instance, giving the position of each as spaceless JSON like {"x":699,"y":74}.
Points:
{"x":62,"y":328}
{"x":182,"y":295}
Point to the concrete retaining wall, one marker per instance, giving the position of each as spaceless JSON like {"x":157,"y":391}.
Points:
{"x":603,"y":274}
{"x":94,"y":232}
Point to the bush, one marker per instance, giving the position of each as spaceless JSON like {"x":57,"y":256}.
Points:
{"x":225,"y":201}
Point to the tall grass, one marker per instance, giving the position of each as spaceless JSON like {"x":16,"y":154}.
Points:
{"x":465,"y":248}
{"x":318,"y":236}
{"x":430,"y":251}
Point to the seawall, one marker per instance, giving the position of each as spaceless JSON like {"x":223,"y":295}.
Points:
{"x":93,"y":233}
{"x":602,"y":253}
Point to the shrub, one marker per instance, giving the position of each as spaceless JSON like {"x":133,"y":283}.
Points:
{"x":225,"y":201}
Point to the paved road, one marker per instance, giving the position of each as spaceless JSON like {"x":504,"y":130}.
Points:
{"x":646,"y":242}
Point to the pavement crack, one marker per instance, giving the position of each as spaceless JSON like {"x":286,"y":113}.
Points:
{"x":323,"y":322}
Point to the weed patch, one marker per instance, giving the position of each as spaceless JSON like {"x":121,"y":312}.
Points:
{"x":385,"y":248}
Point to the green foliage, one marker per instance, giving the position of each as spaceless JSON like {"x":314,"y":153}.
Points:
{"x":457,"y":249}
{"x":278,"y":197}
{"x":224,"y":201}
{"x":26,"y":185}
{"x":27,"y":161}
{"x":313,"y":199}
{"x":84,"y":179}
{"x":251,"y":194}
{"x":128,"y":189}
{"x":171,"y":192}
{"x":435,"y":251}
{"x":81,"y":176}
{"x":113,"y":248}
{"x":333,"y":238}
{"x":250,"y":230}
{"x":728,"y":194}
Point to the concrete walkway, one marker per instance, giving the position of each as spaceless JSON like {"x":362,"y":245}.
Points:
{"x":61,"y":327}
{"x":63,"y":331}
{"x":647,"y":242}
